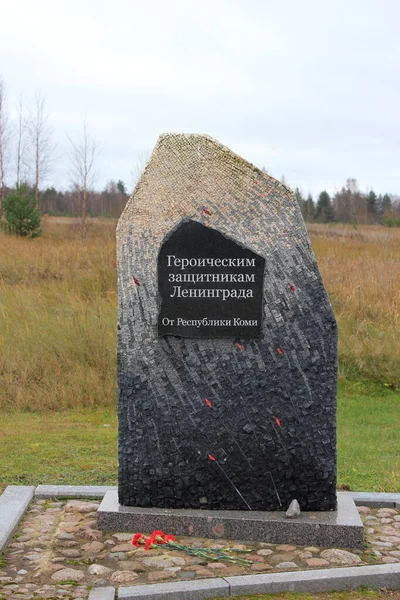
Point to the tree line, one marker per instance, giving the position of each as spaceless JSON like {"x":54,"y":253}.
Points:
{"x":28,"y":153}
{"x":350,"y":205}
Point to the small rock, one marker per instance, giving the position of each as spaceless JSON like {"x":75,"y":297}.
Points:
{"x":118,"y":556}
{"x":78,"y":506}
{"x":370,"y":530}
{"x":293,"y":510}
{"x":204,"y":572}
{"x":123,"y":576}
{"x":265,"y":552}
{"x":68,"y":574}
{"x":22,"y":572}
{"x":386,"y":511}
{"x":178,"y":560}
{"x":65,"y":536}
{"x":397,"y":518}
{"x":215,"y":566}
{"x":317,"y":562}
{"x":33,"y":556}
{"x":92,"y":534}
{"x":123,"y":548}
{"x":340,"y":557}
{"x":381,"y":544}
{"x":198,"y":561}
{"x":98,"y":570}
{"x":312,"y":549}
{"x":390,"y":560}
{"x":130,"y":565}
{"x":70,"y":553}
{"x":123,"y":537}
{"x":395,"y":553}
{"x":370,"y":518}
{"x":174,"y":569}
{"x":260,"y":567}
{"x":286,"y":565}
{"x":157,"y":563}
{"x":239,"y":547}
{"x":305,"y":555}
{"x":56,"y":567}
{"x":158,"y":575}
{"x":187,"y":574}
{"x":363,"y":510}
{"x":386,"y":520}
{"x":285,"y":548}
{"x":100,"y":583}
{"x":93,"y":547}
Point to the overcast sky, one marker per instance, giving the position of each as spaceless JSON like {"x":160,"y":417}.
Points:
{"x":309,"y":89}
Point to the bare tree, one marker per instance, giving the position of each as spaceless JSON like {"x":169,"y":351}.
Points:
{"x":41,"y":147}
{"x":83,"y":157}
{"x":20,"y":143}
{"x":5,"y":137}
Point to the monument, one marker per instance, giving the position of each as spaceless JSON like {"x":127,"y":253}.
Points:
{"x":227,"y":342}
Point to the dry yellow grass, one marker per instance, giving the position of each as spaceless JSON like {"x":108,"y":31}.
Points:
{"x":58,"y":310}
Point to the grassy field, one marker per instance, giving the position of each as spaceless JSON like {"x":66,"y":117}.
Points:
{"x":79,"y":446}
{"x":58,"y":311}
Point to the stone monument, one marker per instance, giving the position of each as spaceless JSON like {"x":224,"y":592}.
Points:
{"x":227,"y":356}
{"x":227,"y":343}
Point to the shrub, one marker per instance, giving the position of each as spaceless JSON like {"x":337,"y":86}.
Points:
{"x":21,"y":213}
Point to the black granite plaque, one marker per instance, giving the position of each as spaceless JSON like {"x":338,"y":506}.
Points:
{"x":209,"y":285}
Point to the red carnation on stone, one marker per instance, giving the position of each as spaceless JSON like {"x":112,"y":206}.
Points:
{"x":240,"y":346}
{"x":211,"y":457}
{"x":136,"y":539}
{"x":280,"y":352}
{"x":208,"y":402}
{"x":169,"y":538}
{"x":136,"y":281}
{"x":291,"y":287}
{"x":277,"y":421}
{"x":206,"y":211}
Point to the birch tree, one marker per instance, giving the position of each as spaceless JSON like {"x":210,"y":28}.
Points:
{"x":5,"y":139}
{"x":40,"y":141}
{"x":84,"y":153}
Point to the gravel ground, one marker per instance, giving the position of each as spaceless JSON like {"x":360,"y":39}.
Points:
{"x":57,"y":552}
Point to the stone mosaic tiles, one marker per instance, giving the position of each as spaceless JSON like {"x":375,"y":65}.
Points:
{"x":267,"y":433}
{"x":57,"y":552}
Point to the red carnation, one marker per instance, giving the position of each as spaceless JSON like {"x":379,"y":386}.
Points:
{"x":136,"y":539}
{"x":206,"y":211}
{"x":291,"y":287}
{"x":277,"y":421}
{"x":280,"y":352}
{"x":136,"y":281}
{"x":169,"y":538}
{"x":240,"y":346}
{"x":211,"y":457}
{"x":208,"y":402}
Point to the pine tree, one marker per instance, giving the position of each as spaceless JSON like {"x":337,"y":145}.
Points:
{"x":310,"y":208}
{"x":21,"y":212}
{"x":324,"y":211}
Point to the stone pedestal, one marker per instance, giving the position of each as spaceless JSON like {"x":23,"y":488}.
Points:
{"x":341,"y":528}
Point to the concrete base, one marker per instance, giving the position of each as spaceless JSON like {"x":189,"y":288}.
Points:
{"x":337,"y":529}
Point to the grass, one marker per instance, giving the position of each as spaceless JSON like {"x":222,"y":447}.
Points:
{"x":74,"y":447}
{"x":58,"y":313}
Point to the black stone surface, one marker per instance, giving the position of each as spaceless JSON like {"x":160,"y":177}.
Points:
{"x":203,"y":299}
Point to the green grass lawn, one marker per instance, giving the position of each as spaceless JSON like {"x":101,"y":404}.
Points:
{"x":75,"y":447}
